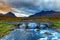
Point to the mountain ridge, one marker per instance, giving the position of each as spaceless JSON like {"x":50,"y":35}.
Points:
{"x":9,"y":14}
{"x":47,"y":14}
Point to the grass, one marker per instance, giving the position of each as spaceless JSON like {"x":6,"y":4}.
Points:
{"x":5,"y":28}
{"x":56,"y":25}
{"x":18,"y":19}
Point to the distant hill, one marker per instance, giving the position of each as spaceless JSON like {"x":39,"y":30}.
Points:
{"x":42,"y":13}
{"x":56,"y":14}
{"x":47,"y":14}
{"x":1,"y":14}
{"x":10,"y":14}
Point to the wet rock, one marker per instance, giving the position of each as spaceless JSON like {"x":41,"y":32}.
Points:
{"x":43,"y":26}
{"x":56,"y":29}
{"x":47,"y":33}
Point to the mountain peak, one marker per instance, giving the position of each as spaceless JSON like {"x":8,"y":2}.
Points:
{"x":10,"y":14}
{"x":44,"y":13}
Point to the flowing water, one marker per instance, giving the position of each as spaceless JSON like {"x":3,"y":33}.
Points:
{"x":32,"y":34}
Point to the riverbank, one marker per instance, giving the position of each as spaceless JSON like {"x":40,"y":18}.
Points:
{"x":55,"y":26}
{"x":6,"y":28}
{"x":19,"y":19}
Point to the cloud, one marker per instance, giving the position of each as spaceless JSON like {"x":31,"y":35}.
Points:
{"x":20,"y":13}
{"x":34,"y":6}
{"x":27,"y":5}
{"x":4,"y":8}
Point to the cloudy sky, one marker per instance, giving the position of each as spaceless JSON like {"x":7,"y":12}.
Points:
{"x":31,"y":7}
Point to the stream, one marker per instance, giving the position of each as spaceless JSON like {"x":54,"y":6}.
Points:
{"x":32,"y":34}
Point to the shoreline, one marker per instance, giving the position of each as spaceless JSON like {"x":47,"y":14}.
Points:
{"x":6,"y":29}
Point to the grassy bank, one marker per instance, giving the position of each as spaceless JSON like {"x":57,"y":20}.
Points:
{"x":56,"y":25}
{"x":5,"y":28}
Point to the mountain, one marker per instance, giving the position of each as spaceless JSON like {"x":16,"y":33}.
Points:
{"x":47,"y":14}
{"x":9,"y":14}
{"x":13,"y":14}
{"x":56,"y":14}
{"x":1,"y":14}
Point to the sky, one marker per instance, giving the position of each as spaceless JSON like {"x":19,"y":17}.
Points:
{"x":31,"y":7}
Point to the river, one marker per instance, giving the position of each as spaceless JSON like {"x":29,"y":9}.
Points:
{"x":32,"y":34}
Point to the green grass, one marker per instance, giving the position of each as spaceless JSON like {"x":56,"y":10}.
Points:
{"x":56,"y":25}
{"x":5,"y":28}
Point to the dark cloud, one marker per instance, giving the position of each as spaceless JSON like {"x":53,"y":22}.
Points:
{"x":34,"y":6}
